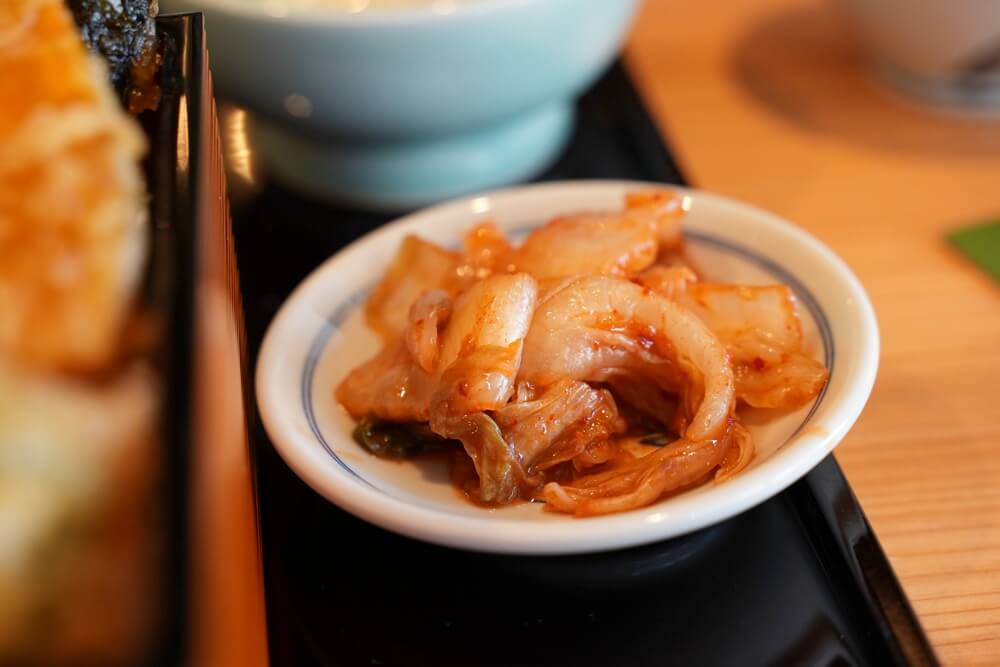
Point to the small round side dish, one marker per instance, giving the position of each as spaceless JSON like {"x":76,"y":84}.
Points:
{"x":319,"y":335}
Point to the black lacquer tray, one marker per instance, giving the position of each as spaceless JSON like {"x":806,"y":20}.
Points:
{"x":169,"y":294}
{"x":191,"y":254}
{"x":799,"y":580}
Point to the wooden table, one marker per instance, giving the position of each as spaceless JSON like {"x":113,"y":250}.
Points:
{"x":769,"y":101}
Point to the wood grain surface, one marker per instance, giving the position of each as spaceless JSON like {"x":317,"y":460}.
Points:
{"x":770,"y":101}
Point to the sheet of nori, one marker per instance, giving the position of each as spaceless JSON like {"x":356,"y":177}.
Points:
{"x":120,"y":30}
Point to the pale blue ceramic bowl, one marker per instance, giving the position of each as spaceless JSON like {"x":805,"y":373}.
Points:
{"x":399,"y":108}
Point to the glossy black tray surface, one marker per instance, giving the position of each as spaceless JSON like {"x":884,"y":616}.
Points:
{"x":172,"y":172}
{"x":799,"y":580}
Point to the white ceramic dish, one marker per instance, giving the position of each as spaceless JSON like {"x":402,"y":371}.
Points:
{"x":319,"y":335}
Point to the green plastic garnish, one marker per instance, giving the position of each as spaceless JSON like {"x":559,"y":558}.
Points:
{"x":981,"y":244}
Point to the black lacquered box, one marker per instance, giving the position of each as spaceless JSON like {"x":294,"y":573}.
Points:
{"x":194,"y":291}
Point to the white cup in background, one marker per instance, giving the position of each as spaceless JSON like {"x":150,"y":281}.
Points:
{"x":942,"y":51}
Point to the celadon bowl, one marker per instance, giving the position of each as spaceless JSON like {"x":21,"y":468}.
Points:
{"x":397,"y":108}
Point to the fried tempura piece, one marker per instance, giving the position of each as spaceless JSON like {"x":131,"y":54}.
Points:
{"x":78,"y":482}
{"x":72,"y":228}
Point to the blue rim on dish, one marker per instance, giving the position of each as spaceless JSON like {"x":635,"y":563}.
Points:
{"x":337,"y":317}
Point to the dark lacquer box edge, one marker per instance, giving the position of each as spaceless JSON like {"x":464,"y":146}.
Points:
{"x":194,"y":288}
{"x":170,"y":292}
